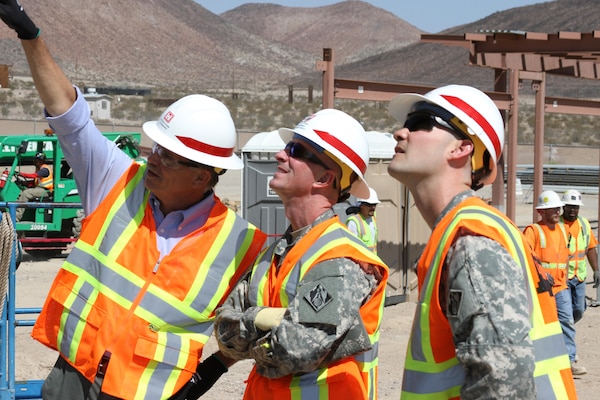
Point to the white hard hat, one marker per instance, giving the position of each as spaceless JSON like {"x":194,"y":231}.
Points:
{"x":198,"y":128}
{"x":372,"y":199}
{"x":548,"y":199}
{"x":572,"y":197}
{"x":472,"y":112}
{"x":345,"y":141}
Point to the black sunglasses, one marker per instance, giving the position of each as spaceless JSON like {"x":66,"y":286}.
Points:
{"x":299,"y":152}
{"x":426,"y":122}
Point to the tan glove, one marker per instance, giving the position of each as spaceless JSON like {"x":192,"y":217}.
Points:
{"x":269,"y":317}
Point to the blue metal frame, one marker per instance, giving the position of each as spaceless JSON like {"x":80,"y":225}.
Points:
{"x":10,"y":389}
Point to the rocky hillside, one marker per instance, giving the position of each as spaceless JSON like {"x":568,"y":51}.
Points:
{"x":180,"y":44}
{"x":435,"y":64}
{"x":355,"y":29}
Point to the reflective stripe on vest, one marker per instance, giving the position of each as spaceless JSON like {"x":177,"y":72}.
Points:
{"x":549,"y":258}
{"x":555,"y":262}
{"x":364,"y":231}
{"x":578,"y":249}
{"x":324,"y":241}
{"x":432,"y":370}
{"x":154,"y":317}
{"x":46,"y":182}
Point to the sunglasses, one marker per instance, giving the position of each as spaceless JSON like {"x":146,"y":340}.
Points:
{"x":426,"y":122}
{"x":169,"y":160}
{"x":299,"y":152}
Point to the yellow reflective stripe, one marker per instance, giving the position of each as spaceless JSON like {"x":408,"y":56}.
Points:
{"x":430,"y":366}
{"x":261,"y":290}
{"x":119,"y":201}
{"x":209,"y":259}
{"x":542,"y":236}
{"x":135,"y":279}
{"x":143,"y":383}
{"x":128,"y":232}
{"x":108,"y":263}
{"x":552,"y":366}
{"x":556,"y":380}
{"x":454,"y":392}
{"x":427,"y":350}
{"x":297,"y":386}
{"x":561,"y":226}
{"x":78,"y":332}
{"x":146,"y":378}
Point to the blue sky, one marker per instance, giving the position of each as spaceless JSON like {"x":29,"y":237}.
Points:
{"x":428,"y":15}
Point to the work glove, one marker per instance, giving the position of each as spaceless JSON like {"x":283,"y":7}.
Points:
{"x":207,"y":374}
{"x":269,"y":317}
{"x":15,"y":17}
{"x":596,"y":279}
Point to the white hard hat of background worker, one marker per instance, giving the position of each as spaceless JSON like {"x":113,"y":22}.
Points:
{"x":372,"y":199}
{"x":548,"y":199}
{"x":466,"y":110}
{"x":198,"y":128}
{"x":341,"y":138}
{"x":572,"y":198}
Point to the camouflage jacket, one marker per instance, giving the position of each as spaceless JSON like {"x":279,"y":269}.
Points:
{"x":295,"y":346}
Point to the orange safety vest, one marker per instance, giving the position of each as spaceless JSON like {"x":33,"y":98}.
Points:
{"x":46,"y":182}
{"x":364,"y":230}
{"x":554,"y":256}
{"x":353,"y":377}
{"x":432,"y":370}
{"x":580,"y":236}
{"x":117,"y":297}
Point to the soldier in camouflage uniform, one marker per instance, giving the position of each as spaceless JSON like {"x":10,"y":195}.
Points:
{"x":478,"y":325}
{"x":313,"y":303}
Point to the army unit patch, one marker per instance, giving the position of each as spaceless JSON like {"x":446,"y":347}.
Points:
{"x":318,"y":297}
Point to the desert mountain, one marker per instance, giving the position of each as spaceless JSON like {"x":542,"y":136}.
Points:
{"x":355,"y":29}
{"x":435,"y":64}
{"x":180,"y":45}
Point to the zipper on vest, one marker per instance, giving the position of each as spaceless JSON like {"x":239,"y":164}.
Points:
{"x":155,"y":269}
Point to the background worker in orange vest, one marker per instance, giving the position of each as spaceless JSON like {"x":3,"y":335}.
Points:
{"x":362,"y":221}
{"x":133,"y":305}
{"x":310,"y":311}
{"x":550,"y":242}
{"x":42,"y":183}
{"x":582,"y":244}
{"x":483,"y":313}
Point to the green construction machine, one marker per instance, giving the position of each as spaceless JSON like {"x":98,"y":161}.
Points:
{"x":48,"y":230}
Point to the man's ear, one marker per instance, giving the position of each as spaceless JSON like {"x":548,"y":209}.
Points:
{"x":328,"y":176}
{"x":202,"y":177}
{"x":463,"y":148}
{"x":467,"y":147}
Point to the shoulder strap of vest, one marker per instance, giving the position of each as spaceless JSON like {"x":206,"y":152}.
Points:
{"x":585,"y":230}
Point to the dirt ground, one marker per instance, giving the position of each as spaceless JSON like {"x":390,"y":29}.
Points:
{"x":34,"y":361}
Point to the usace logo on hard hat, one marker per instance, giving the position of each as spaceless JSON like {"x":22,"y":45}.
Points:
{"x":169,"y":117}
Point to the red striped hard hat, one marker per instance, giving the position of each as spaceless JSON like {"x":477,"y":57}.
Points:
{"x":198,"y":128}
{"x":342,"y":137}
{"x":475,"y":113}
